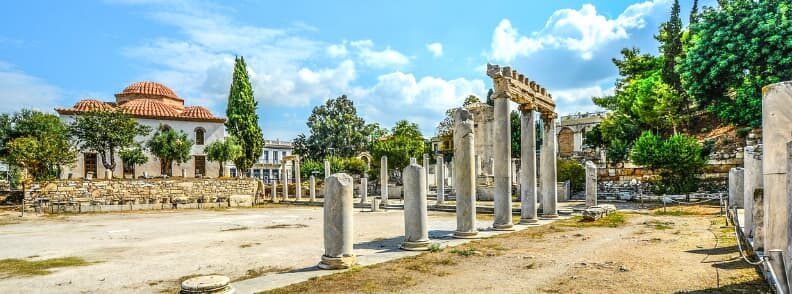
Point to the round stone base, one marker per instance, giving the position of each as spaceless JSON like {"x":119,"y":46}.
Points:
{"x":466,"y":235}
{"x":212,"y":284}
{"x":415,"y":246}
{"x":550,"y":216}
{"x":333,"y":263}
{"x":503,"y":227}
{"x":528,"y":221}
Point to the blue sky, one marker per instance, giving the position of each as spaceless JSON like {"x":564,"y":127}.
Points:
{"x":396,"y":59}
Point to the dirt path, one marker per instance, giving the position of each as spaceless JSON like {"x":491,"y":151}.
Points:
{"x":646,"y":254}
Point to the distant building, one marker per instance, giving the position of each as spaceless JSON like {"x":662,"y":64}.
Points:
{"x":571,"y":131}
{"x":268,"y":167}
{"x":155,"y":105}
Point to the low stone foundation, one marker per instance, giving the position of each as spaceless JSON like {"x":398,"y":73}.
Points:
{"x":149,"y":191}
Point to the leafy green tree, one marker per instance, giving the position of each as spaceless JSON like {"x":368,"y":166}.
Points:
{"x":670,"y":38}
{"x":169,"y":146}
{"x":490,"y":100}
{"x":132,"y":157}
{"x":223,"y":151}
{"x":572,"y":171}
{"x":514,"y":120}
{"x":335,"y":130}
{"x":471,"y":99}
{"x":405,"y":141}
{"x":736,"y":51}
{"x":36,"y":142}
{"x":242,"y":120}
{"x":105,"y":132}
{"x":678,"y":160}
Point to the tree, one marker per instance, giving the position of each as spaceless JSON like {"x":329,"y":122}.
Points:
{"x":572,"y":171}
{"x":471,"y":99}
{"x":670,"y":38}
{"x":736,"y":51}
{"x":490,"y":100}
{"x":405,"y":141}
{"x":678,"y":159}
{"x":36,"y":142}
{"x":335,"y":130}
{"x":169,"y":146}
{"x":131,"y":157}
{"x":223,"y":151}
{"x":242,"y":120}
{"x":105,"y":132}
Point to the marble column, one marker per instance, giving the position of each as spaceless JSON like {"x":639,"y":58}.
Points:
{"x":384,"y":179}
{"x":502,"y":138}
{"x":338,"y":225}
{"x":752,"y":180}
{"x":464,"y":174}
{"x":450,"y":174}
{"x":285,"y":182}
{"x":776,"y":122}
{"x":326,"y":168}
{"x":416,"y":233}
{"x":528,"y":167}
{"x":364,"y":189}
{"x":591,"y":184}
{"x":548,"y":166}
{"x":514,"y":180}
{"x":491,"y":170}
{"x":312,"y":190}
{"x":426,"y":170}
{"x":297,"y":180}
{"x":736,"y":187}
{"x":274,"y":190}
{"x":440,"y":180}
{"x":477,"y":165}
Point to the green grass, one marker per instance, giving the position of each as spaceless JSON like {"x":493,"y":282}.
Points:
{"x":613,"y":220}
{"x":21,"y":267}
{"x":469,"y":251}
{"x":659,"y":225}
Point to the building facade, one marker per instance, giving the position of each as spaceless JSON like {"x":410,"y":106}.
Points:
{"x":571,"y":131}
{"x":157,"y":106}
{"x":270,"y":164}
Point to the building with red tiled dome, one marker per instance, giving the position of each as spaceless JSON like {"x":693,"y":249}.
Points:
{"x":157,"y":106}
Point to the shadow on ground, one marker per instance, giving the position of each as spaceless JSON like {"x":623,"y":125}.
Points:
{"x":715,"y":251}
{"x":755,"y":286}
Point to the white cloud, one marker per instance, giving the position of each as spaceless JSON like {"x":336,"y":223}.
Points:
{"x":337,"y":50}
{"x":399,"y":95}
{"x":378,"y":59}
{"x":583,"y":31}
{"x":21,"y":90}
{"x":436,"y":48}
{"x":576,"y":100}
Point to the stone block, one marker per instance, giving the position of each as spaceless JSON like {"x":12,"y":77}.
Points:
{"x":240,"y":200}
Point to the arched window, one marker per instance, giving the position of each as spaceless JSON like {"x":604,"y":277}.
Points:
{"x":199,"y":136}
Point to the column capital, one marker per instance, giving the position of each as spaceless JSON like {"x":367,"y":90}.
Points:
{"x":527,"y":107}
{"x":548,"y":115}
{"x":502,"y":94}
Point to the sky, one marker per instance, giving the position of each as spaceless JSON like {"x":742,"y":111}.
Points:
{"x":396,"y":60}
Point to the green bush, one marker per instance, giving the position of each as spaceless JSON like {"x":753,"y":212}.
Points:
{"x":678,"y":160}
{"x":572,"y":171}
{"x":743,"y":132}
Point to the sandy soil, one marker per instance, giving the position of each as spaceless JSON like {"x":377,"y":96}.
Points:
{"x":648,"y":254}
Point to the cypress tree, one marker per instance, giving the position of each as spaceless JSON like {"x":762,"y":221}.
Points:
{"x":242,"y":120}
{"x":671,"y":46}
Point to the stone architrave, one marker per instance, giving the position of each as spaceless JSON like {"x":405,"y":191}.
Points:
{"x":440,"y":180}
{"x":384,"y":180}
{"x":776,"y":125}
{"x":502,"y":139}
{"x":416,"y":233}
{"x":548,"y":167}
{"x":736,"y":187}
{"x":752,"y":180}
{"x":297,"y":180}
{"x":364,"y":189}
{"x":312,"y":190}
{"x":426,"y":170}
{"x":464,"y":174}
{"x":591,"y":184}
{"x":338,"y":225}
{"x":528,"y":167}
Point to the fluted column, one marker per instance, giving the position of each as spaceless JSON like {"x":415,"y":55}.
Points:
{"x":548,"y":166}
{"x":502,"y":139}
{"x":528,"y":167}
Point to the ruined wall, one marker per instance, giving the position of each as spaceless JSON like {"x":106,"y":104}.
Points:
{"x":143,"y":191}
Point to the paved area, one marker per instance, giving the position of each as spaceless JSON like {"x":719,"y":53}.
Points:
{"x":152,"y":251}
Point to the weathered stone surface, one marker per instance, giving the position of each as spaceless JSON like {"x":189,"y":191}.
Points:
{"x":752,"y":180}
{"x":426,"y":170}
{"x":465,"y":175}
{"x":776,"y":132}
{"x":502,"y":130}
{"x":591,"y":184}
{"x":416,"y":233}
{"x":364,"y":190}
{"x":338,"y":222}
{"x":312,"y":191}
{"x":384,"y":179}
{"x":528,"y":167}
{"x":440,"y":180}
{"x":547,"y":170}
{"x":212,"y":284}
{"x":297,"y":181}
{"x":240,"y":200}
{"x":596,"y":212}
{"x":736,"y":187}
{"x":758,"y":233}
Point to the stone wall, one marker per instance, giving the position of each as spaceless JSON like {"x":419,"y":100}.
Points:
{"x":147,"y":191}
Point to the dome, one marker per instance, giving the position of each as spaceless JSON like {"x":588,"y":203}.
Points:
{"x":197,"y":112}
{"x":149,"y":107}
{"x":91,"y":104}
{"x":149,"y":88}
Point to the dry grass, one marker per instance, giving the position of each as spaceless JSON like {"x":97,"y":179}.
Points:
{"x":687,"y":210}
{"x":257,"y":272}
{"x":20,"y":267}
{"x":286,"y":226}
{"x":659,"y":225}
{"x":613,"y":220}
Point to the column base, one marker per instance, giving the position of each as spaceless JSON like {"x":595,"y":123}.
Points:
{"x":333,"y":263}
{"x":555,"y":215}
{"x":503,"y":227}
{"x":466,"y":235}
{"x":528,"y":221}
{"x":415,"y":245}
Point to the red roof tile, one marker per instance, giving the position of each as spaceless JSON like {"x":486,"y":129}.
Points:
{"x":149,"y":88}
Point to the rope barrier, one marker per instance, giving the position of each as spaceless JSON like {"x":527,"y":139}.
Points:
{"x":737,"y":234}
{"x":691,"y":203}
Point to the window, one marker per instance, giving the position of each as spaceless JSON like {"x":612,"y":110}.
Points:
{"x":266,"y":156}
{"x":283,"y":153}
{"x":200,"y":165}
{"x":90,"y":163}
{"x":275,"y":157}
{"x":199,"y":136}
{"x":232,"y":171}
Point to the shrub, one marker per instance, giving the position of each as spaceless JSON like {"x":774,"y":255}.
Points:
{"x":572,"y":171}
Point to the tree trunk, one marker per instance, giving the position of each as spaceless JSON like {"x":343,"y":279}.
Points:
{"x":222,"y":169}
{"x":112,"y":160}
